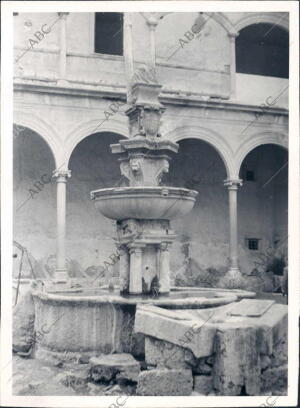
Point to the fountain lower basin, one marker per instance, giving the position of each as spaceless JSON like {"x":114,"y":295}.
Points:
{"x":94,"y":321}
{"x":122,"y":203}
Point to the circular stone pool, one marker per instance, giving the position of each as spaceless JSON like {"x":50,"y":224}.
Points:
{"x":93,"y":321}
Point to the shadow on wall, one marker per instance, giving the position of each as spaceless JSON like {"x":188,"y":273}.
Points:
{"x":269,"y":275}
{"x":26,"y":266}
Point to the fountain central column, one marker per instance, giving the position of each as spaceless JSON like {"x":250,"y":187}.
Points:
{"x":164,"y":268}
{"x":135,"y":282}
{"x":143,"y":206}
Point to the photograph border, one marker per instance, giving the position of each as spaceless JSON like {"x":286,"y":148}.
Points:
{"x":7,"y":399}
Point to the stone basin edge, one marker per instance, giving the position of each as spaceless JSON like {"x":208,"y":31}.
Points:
{"x":119,"y":300}
{"x":170,"y":191}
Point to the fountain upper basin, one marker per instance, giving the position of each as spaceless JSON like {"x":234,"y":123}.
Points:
{"x":122,"y":203}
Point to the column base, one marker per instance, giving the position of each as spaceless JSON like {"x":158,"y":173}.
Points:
{"x":61,"y":276}
{"x":164,"y":292}
{"x":62,"y":82}
{"x":233,"y":279}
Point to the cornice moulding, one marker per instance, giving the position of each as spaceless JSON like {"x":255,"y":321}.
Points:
{"x":120,"y":92}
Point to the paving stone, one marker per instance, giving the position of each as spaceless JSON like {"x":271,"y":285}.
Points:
{"x":203,"y":384}
{"x":75,"y":376}
{"x":114,"y":366}
{"x":165,"y":382}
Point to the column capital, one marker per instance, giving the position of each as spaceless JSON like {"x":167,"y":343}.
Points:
{"x":151,"y":20}
{"x":164,"y":246}
{"x":61,"y":175}
{"x":152,"y":23}
{"x":233,"y":184}
{"x":233,"y":35}
{"x":63,"y":14}
{"x":136,"y":249}
{"x":122,"y":247}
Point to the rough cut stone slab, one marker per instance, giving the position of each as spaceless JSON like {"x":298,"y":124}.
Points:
{"x":273,"y":326}
{"x":203,"y":384}
{"x":164,"y":354}
{"x":251,"y":307}
{"x":240,"y":342}
{"x":195,"y":335}
{"x":120,"y":366}
{"x":237,"y":361}
{"x":165,"y":382}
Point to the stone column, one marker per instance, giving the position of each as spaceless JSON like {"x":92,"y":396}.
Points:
{"x":63,"y":47}
{"x":164,"y":268}
{"x":232,"y":186}
{"x":135,"y":282}
{"x":128,"y":52}
{"x":124,"y":269}
{"x":61,"y":273}
{"x":152,"y":23}
{"x":232,"y":38}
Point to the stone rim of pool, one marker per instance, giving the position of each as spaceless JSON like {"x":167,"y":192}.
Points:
{"x":210,"y":297}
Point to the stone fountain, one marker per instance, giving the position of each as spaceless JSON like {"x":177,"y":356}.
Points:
{"x":95,"y":320}
{"x":143,"y":207}
{"x":231,"y":346}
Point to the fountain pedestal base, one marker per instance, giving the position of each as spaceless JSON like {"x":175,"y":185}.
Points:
{"x":144,"y":244}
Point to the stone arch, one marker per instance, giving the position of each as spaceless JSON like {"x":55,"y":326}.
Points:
{"x":264,"y":138}
{"x":255,"y":18}
{"x":225,"y":23}
{"x":207,"y":135}
{"x":88,"y":128}
{"x":218,"y":17}
{"x":43,"y":129}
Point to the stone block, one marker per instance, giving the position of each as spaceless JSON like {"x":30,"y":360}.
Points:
{"x":202,"y":366}
{"x":279,"y":356}
{"x":165,"y":354}
{"x":122,"y":367}
{"x":23,"y":324}
{"x":251,"y":307}
{"x":196,"y":336}
{"x":165,"y":382}
{"x":203,"y":384}
{"x":265,"y":362}
{"x":274,"y":378}
{"x":237,"y":361}
{"x":280,"y":331}
{"x":273,"y":327}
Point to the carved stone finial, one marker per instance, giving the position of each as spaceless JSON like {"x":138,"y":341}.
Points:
{"x":144,"y":74}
